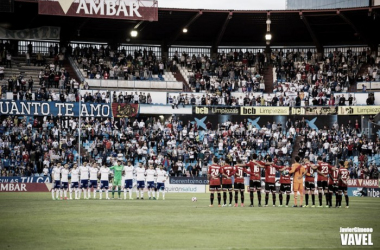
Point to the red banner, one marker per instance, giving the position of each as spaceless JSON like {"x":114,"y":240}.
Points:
{"x":23,"y":187}
{"x":370,"y":183}
{"x":123,"y":110}
{"x":146,"y":10}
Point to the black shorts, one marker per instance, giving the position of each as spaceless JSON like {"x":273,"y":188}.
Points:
{"x":285,"y":188}
{"x":239,"y":186}
{"x":322,"y":184}
{"x":343,"y":189}
{"x":270,"y":187}
{"x":214,"y":187}
{"x":227,"y":186}
{"x":253,"y":185}
{"x":309,"y":185}
{"x":333,"y":188}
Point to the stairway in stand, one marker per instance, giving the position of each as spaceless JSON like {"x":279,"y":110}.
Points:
{"x":361,"y":71}
{"x":71,"y":70}
{"x":297,"y":145}
{"x":268,"y":78}
{"x":179,"y":77}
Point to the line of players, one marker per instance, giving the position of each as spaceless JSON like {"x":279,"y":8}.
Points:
{"x":330,"y":180}
{"x":85,"y":177}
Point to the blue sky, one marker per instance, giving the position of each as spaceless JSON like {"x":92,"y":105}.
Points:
{"x":224,"y":4}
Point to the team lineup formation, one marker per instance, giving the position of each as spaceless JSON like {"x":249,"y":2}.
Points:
{"x":87,"y":176}
{"x":331,"y":180}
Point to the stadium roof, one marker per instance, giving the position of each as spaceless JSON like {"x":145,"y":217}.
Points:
{"x":352,"y":26}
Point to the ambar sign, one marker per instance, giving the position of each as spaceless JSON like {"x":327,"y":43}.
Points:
{"x":117,"y":9}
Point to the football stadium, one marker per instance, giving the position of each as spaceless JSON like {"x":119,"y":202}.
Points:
{"x":144,"y":124}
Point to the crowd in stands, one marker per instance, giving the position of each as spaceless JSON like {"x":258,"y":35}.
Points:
{"x":225,"y":73}
{"x":105,"y":63}
{"x":29,"y":146}
{"x":315,"y":79}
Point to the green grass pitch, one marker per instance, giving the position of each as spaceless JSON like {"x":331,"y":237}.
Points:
{"x":34,"y":221}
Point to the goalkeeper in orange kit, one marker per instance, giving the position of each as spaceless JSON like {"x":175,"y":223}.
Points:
{"x":299,"y":171}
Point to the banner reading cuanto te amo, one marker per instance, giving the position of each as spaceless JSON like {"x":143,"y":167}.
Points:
{"x":55,"y":109}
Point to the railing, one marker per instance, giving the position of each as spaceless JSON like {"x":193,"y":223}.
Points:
{"x":134,"y":84}
{"x":369,"y":85}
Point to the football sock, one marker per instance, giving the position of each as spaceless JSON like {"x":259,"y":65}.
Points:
{"x":336,"y":199}
{"x":80,"y":193}
{"x":107,"y":194}
{"x":224,"y":197}
{"x":100,"y":194}
{"x":241,"y":196}
{"x":313,"y":199}
{"x":259,"y":196}
{"x":130,"y":193}
{"x":153,"y":194}
{"x":94,"y":193}
{"x":142,"y":193}
{"x":301,"y":199}
{"x":125,"y":194}
{"x":71,"y":193}
{"x":149,"y":193}
{"x":266,"y":198}
{"x":137,"y":193}
{"x":113,"y":192}
{"x":327,"y":198}
{"x":251,"y":197}
{"x":119,"y":191}
{"x":163,"y":194}
{"x":219,"y":198}
{"x":52,"y":193}
{"x":346,"y":198}
{"x":280,"y":198}
{"x":60,"y":193}
{"x":287,"y":199}
{"x":212,"y":198}
{"x":230,"y":196}
{"x":274,"y":199}
{"x":85,"y":193}
{"x":56,"y":194}
{"x":236,"y":196}
{"x":65,"y":193}
{"x":320,"y":198}
{"x":307,"y":199}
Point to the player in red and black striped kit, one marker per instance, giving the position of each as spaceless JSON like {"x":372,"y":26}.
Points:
{"x":333,"y":185}
{"x":344,"y":176}
{"x":285,"y":182}
{"x":239,"y":171}
{"x":270,"y":180}
{"x":323,"y":171}
{"x":255,"y":178}
{"x":214,"y":181}
{"x":227,"y":172}
{"x":309,"y":181}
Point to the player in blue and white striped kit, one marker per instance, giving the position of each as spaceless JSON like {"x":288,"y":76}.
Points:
{"x":104,"y":180}
{"x":128,"y":176}
{"x":56,"y":174}
{"x":162,"y":176}
{"x":140,"y":177}
{"x":93,"y":179}
{"x":84,"y":171}
{"x":150,"y":175}
{"x":74,"y":182}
